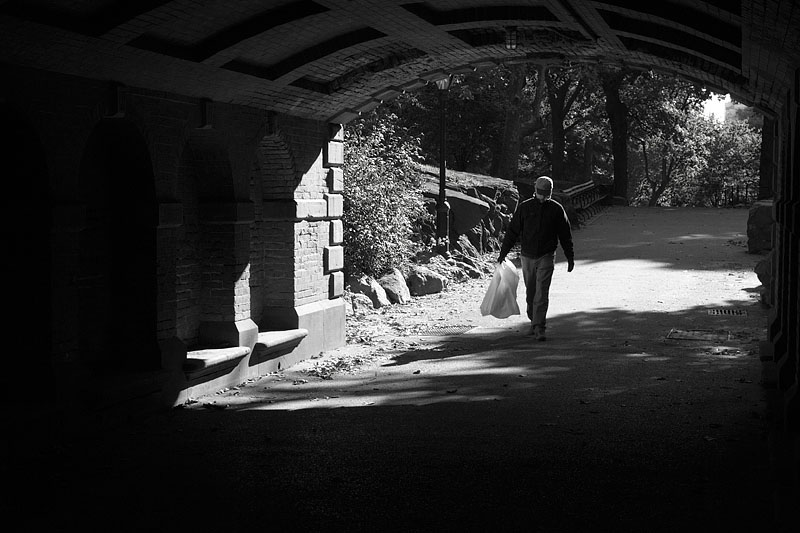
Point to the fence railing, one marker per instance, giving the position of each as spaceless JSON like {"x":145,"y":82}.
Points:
{"x":587,"y":200}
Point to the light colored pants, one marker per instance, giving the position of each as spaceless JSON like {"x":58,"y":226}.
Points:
{"x":537,"y":274}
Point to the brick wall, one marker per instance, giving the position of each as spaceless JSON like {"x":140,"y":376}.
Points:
{"x":243,"y":213}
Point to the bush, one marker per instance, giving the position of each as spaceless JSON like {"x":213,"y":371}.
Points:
{"x":382,"y":199}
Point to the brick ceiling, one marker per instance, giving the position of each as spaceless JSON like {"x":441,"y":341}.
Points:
{"x":330,"y":59}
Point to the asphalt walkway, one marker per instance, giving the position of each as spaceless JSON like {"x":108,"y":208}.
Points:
{"x":642,"y":412}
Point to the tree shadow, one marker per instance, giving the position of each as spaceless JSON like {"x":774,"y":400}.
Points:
{"x":607,"y":426}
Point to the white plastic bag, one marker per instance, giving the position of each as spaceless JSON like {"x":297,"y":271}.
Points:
{"x":500,"y":300}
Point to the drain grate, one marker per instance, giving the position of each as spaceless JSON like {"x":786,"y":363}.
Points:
{"x":727,"y":312}
{"x":443,"y":330}
{"x":699,"y":335}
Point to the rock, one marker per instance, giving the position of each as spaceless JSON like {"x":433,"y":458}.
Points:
{"x":395,"y":286}
{"x":759,"y":227}
{"x":763,"y":270}
{"x":475,"y":236}
{"x":466,"y":212}
{"x":358,"y":304}
{"x":464,"y":245}
{"x":469,"y":270}
{"x":422,"y":280}
{"x":370,"y":287}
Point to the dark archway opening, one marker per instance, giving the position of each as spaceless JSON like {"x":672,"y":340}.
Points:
{"x":26,"y":233}
{"x":118,"y":292}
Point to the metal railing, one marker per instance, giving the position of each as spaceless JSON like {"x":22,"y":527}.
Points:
{"x":587,"y":200}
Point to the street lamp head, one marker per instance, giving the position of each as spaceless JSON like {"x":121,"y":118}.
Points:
{"x":511,"y":38}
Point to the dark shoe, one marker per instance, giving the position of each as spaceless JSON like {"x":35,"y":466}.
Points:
{"x":538,"y":332}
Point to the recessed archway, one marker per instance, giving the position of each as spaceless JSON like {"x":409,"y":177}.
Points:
{"x":117,"y":290}
{"x":26,"y":233}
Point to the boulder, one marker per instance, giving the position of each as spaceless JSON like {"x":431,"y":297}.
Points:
{"x":764,"y":272}
{"x":466,"y":212}
{"x":358,"y":304}
{"x":368,"y":286}
{"x":469,"y":270}
{"x":395,"y":286}
{"x":464,"y":245}
{"x":759,"y":227}
{"x":475,"y":237}
{"x":422,"y":280}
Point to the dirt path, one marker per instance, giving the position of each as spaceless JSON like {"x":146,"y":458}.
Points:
{"x":613,"y":424}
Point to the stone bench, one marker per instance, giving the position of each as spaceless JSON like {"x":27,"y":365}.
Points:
{"x":271,"y":344}
{"x":202,"y":363}
{"x":213,"y":362}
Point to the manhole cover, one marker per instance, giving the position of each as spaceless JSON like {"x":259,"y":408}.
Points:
{"x":444,"y":330}
{"x":727,"y":312}
{"x":699,"y":335}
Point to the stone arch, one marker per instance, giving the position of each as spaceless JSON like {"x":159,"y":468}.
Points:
{"x":117,"y":293}
{"x":26,"y":228}
{"x":213,"y":262}
{"x":273,"y":180}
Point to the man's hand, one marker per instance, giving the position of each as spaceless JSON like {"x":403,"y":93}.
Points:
{"x":570,"y":265}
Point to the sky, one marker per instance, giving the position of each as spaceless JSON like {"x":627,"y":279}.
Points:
{"x":716,"y":107}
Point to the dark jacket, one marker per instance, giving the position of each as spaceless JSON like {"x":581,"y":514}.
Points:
{"x":539,"y":226}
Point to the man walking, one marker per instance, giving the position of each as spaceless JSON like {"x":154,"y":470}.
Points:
{"x":539,"y":223}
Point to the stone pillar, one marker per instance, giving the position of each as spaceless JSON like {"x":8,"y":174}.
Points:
{"x":173,"y":350}
{"x":225,"y":296}
{"x":768,"y":161}
{"x":781,"y":353}
{"x":333,"y":262}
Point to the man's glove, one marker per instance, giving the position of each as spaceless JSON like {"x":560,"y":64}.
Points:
{"x":570,"y":265}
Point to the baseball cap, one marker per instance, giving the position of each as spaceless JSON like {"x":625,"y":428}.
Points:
{"x":544,"y":186}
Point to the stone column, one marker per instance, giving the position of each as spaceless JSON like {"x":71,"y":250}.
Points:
{"x":225,"y":295}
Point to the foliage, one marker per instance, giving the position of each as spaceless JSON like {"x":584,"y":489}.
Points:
{"x":731,"y":173}
{"x":662,"y":126}
{"x":382,"y":196}
{"x":530,"y":119}
{"x":472,"y":121}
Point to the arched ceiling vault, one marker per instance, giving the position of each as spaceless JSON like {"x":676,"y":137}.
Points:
{"x":331,"y":59}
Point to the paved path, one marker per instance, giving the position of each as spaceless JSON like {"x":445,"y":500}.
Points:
{"x":642,"y":412}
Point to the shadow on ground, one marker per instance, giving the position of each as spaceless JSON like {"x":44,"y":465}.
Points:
{"x":608,"y":426}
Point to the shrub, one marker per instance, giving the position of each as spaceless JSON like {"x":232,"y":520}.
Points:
{"x":382,"y":197}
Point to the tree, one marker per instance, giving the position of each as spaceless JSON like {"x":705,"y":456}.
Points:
{"x":612,"y":81}
{"x":382,"y":197}
{"x":564,"y":86}
{"x":661,"y":108}
{"x":524,"y":94}
{"x":731,"y":173}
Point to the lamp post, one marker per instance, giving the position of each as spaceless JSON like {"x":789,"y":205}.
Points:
{"x":442,"y":207}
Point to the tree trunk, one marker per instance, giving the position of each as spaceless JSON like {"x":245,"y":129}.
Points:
{"x":505,"y":164}
{"x":588,"y":159}
{"x":559,"y":144}
{"x":508,"y":160}
{"x":618,"y":119}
